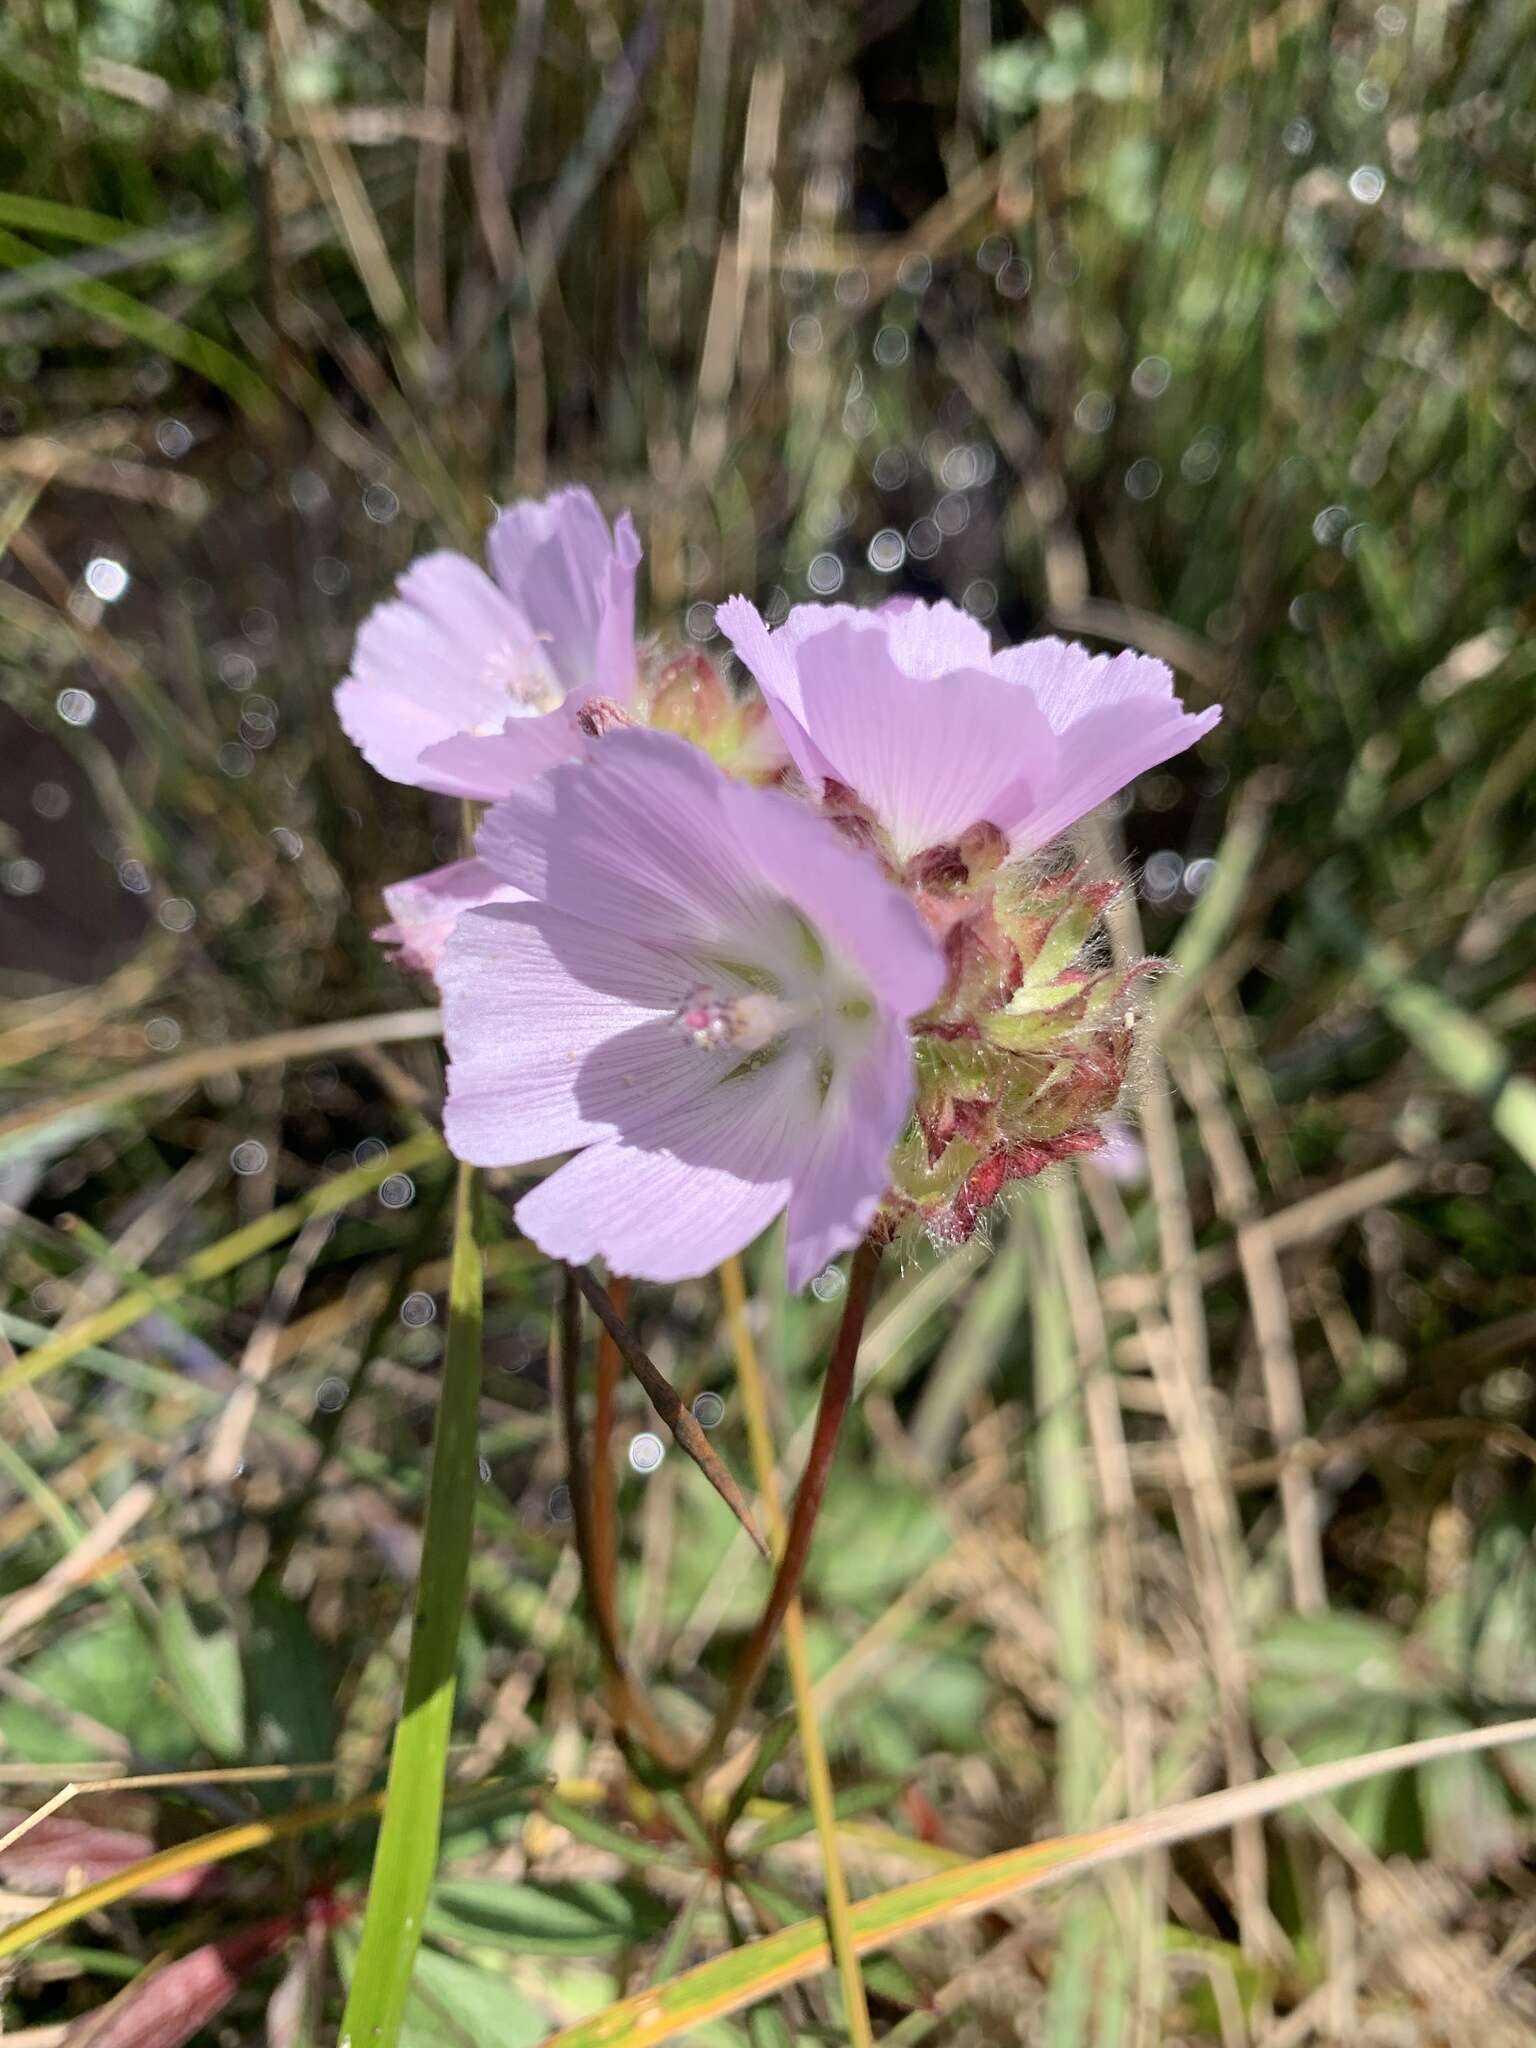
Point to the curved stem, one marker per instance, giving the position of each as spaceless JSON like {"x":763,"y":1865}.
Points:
{"x":627,"y":1705}
{"x":605,"y":1536}
{"x":668,"y":1403}
{"x":836,"y":1392}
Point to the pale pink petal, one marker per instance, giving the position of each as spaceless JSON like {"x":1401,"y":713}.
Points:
{"x":770,"y":659}
{"x":1115,"y":716}
{"x":936,"y":639}
{"x":488,"y":765}
{"x":575,"y":583}
{"x":559,"y":1032}
{"x":651,"y":837}
{"x":930,"y":757}
{"x":637,"y":838}
{"x":449,"y":653}
{"x":1122,"y":1157}
{"x":647,"y":1214}
{"x":667,"y":1212}
{"x":425,"y":908}
{"x":615,"y":671}
{"x":854,"y":908}
{"x":924,"y":640}
{"x":1068,"y":682}
{"x":839,"y":1188}
{"x":1101,"y":753}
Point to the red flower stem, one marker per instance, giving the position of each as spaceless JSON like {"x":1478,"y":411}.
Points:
{"x":836,"y":1392}
{"x":669,"y":1405}
{"x":628,"y":1707}
{"x":605,"y":1535}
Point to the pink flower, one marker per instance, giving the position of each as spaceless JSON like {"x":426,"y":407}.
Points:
{"x":705,"y":998}
{"x":470,"y":683}
{"x":933,"y":733}
{"x":425,"y":908}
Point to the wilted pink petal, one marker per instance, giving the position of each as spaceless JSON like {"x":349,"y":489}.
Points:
{"x":707,"y":993}
{"x":425,"y":908}
{"x":461,"y":655}
{"x":934,"y":733}
{"x":64,"y":1850}
{"x":165,"y":2007}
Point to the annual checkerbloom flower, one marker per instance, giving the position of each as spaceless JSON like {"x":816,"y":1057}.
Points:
{"x":470,"y":682}
{"x":906,"y":718}
{"x":705,"y":997}
{"x":849,"y":979}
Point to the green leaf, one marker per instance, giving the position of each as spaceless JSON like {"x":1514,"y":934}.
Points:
{"x":1469,"y":1822}
{"x":202,"y":1662}
{"x":288,"y":1689}
{"x":451,"y":2004}
{"x":109,"y":1671}
{"x":155,"y":330}
{"x":789,"y":1827}
{"x":579,"y":1919}
{"x":456,"y":2005}
{"x":408,"y":1836}
{"x":873,"y":1541}
{"x":1308,"y":1665}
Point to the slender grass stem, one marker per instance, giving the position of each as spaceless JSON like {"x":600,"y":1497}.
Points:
{"x":818,"y":1777}
{"x":836,"y":1392}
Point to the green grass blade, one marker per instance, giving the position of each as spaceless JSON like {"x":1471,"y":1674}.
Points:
{"x":408,"y":1837}
{"x":1088,"y":1969}
{"x":155,"y":330}
{"x":1457,"y":1045}
{"x":36,"y":216}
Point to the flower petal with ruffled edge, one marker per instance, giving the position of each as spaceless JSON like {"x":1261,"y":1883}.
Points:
{"x":910,"y":708}
{"x":1114,"y":717}
{"x":662,"y":894}
{"x":469,"y":683}
{"x":424,"y":909}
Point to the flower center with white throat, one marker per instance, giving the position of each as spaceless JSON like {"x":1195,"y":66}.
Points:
{"x":788,"y":992}
{"x":522,"y":676}
{"x":741,"y":1023}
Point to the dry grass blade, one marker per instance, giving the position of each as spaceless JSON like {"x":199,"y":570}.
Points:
{"x":797,"y":1656}
{"x":188,"y":1068}
{"x":82,"y":1563}
{"x":669,"y":1405}
{"x":214,"y":1261}
{"x":744,"y":1975}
